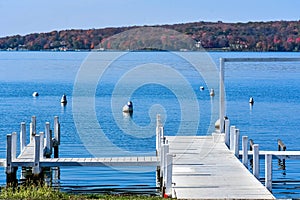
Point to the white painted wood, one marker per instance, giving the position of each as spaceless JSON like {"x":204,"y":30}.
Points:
{"x":261,"y":59}
{"x":36,"y":156}
{"x":8,"y":154}
{"x":231,"y":138}
{"x":13,"y":146}
{"x":268,"y":171}
{"x":236,"y":140}
{"x":22,"y":136}
{"x":165,"y":163}
{"x":245,"y":151}
{"x":48,"y":138}
{"x":256,"y":160}
{"x":169,"y":174}
{"x":41,"y":151}
{"x":56,"y":130}
{"x":221,"y":96}
{"x":33,"y":125}
{"x":227,"y":132}
{"x":203,"y":169}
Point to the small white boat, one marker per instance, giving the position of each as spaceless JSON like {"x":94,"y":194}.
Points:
{"x":201,"y":88}
{"x":128,"y":108}
{"x":63,"y":99}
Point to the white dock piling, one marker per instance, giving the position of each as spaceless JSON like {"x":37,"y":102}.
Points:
{"x":56,"y":141}
{"x":256,"y":160}
{"x":8,"y":153}
{"x":22,"y":137}
{"x":169,"y":172}
{"x":41,"y":145}
{"x":245,"y":150}
{"x":227,"y":132}
{"x":268,"y":171}
{"x":32,"y":127}
{"x":236,"y":141}
{"x":36,"y":168}
{"x":231,"y":137}
{"x":48,"y":138}
{"x":13,"y":146}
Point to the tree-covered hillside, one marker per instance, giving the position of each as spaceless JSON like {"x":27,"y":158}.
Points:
{"x":251,"y":36}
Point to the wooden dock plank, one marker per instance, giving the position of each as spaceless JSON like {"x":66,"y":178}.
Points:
{"x":204,"y":169}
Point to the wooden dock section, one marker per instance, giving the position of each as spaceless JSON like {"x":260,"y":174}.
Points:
{"x":207,"y":169}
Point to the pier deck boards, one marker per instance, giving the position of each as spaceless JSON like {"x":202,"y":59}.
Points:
{"x":203,"y":169}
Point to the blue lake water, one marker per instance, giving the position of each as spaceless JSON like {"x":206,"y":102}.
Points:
{"x":274,"y":115}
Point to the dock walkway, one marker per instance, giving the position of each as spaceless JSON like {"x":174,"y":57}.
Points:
{"x":204,"y":169}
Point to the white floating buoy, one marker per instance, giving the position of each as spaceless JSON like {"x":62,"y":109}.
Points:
{"x":212,"y":92}
{"x":251,"y":100}
{"x":63,"y":99}
{"x":35,"y":94}
{"x":201,"y":88}
{"x":128,"y":108}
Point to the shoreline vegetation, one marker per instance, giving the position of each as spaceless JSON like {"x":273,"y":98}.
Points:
{"x":34,"y":192}
{"x":273,"y":36}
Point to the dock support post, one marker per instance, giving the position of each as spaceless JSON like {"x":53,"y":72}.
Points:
{"x":11,"y":171}
{"x":227,"y":134}
{"x":236,"y":140}
{"x":32,"y":127}
{"x":245,"y":150}
{"x":41,"y":145}
{"x":56,"y":141}
{"x":169,"y":169}
{"x":222,"y":96}
{"x":268,"y":171}
{"x":158,"y":125}
{"x":36,"y":168}
{"x":231,"y":137}
{"x":48,"y":140}
{"x":22,"y":136}
{"x":256,"y":160}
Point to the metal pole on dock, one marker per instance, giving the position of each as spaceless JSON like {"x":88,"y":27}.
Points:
{"x":222,"y":96}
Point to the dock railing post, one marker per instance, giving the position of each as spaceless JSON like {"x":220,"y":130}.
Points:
{"x":169,"y":170}
{"x":236,"y":140}
{"x":158,"y":124}
{"x":231,"y":137}
{"x":36,"y":163}
{"x":256,"y":160}
{"x":13,"y":146}
{"x":48,"y":151}
{"x":56,"y":141}
{"x":166,"y":151}
{"x":11,"y":171}
{"x":41,"y":145}
{"x":22,"y":137}
{"x":245,"y":150}
{"x":268,"y":171}
{"x":227,"y":131}
{"x":32,"y":127}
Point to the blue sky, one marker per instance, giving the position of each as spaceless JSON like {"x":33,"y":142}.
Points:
{"x":28,"y":16}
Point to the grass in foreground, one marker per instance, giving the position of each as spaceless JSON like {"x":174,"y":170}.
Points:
{"x":45,"y":192}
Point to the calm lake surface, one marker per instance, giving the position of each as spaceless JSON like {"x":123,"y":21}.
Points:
{"x":275,"y":88}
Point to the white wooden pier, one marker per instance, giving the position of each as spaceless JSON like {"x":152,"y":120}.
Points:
{"x":207,"y":169}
